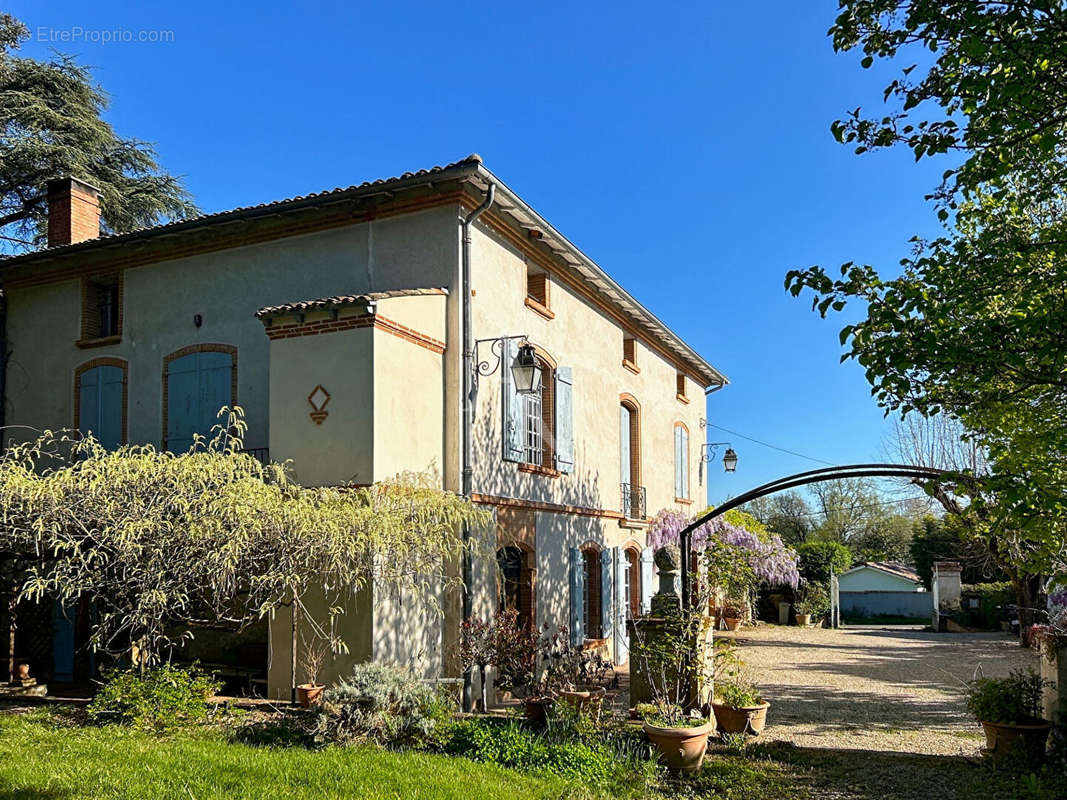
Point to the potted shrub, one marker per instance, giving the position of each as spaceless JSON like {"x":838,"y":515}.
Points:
{"x":812,"y":602}
{"x":1009,"y":710}
{"x":731,"y":617}
{"x":312,"y":657}
{"x":738,"y":704}
{"x":671,"y":656}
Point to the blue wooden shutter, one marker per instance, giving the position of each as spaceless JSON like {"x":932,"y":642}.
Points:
{"x":109,"y":430}
{"x":62,"y":642}
{"x":624,"y":445}
{"x":647,"y":578}
{"x":621,"y":603}
{"x":514,"y":429}
{"x":215,"y":388}
{"x":577,"y":581}
{"x":564,"y":419}
{"x":100,"y":404}
{"x":607,"y":594}
{"x":198,"y":385}
{"x":683,"y":459}
{"x":89,"y":402}
{"x":677,"y":461}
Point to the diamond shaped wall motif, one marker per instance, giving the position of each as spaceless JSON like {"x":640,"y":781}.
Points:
{"x":318,"y":399}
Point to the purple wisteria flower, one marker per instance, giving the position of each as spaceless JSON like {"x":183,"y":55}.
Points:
{"x":772,"y":561}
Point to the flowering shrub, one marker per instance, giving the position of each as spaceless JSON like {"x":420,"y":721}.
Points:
{"x":770,"y":560}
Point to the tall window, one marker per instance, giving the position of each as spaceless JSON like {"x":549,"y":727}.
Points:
{"x":633,"y":501}
{"x":100,"y":401}
{"x":516,"y":583}
{"x":681,"y":461}
{"x":197,"y":381}
{"x":539,"y":424}
{"x":633,"y":580}
{"x":591,"y":558}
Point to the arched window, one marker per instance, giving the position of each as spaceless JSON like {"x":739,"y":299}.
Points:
{"x":591,"y":561}
{"x":681,"y":461}
{"x":633,"y":492}
{"x":516,"y":583}
{"x":197,"y":381}
{"x":100,"y":400}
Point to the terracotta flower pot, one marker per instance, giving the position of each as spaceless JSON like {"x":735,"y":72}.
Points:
{"x":536,"y":711}
{"x":732,"y":623}
{"x":749,"y":719}
{"x":803,"y":620}
{"x":590,"y":702}
{"x":308,"y":694}
{"x":1006,"y":740}
{"x":681,"y":749}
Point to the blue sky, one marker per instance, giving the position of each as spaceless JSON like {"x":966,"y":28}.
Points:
{"x":682,"y":149}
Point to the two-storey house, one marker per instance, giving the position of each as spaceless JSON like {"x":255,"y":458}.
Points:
{"x":338,"y":322}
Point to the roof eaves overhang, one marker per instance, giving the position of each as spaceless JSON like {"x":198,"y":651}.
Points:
{"x":594,"y":276}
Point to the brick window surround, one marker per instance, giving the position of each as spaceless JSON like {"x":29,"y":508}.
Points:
{"x":204,"y":347}
{"x":94,"y":290}
{"x":105,"y":361}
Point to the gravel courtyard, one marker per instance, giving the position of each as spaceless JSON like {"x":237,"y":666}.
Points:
{"x":893,"y":689}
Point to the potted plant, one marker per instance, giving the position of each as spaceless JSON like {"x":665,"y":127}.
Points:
{"x":731,"y":617}
{"x":507,"y":646}
{"x":738,"y":704}
{"x":681,"y":738}
{"x":1009,"y":710}
{"x":812,"y":601}
{"x":672,"y":656}
{"x":312,"y":656}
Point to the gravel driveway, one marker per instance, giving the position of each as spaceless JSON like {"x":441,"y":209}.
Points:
{"x":894,"y":688}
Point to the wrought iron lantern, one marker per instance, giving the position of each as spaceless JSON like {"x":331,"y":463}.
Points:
{"x":527,"y":372}
{"x":729,"y":460}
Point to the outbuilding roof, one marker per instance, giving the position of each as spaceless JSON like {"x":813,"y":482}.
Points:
{"x":890,"y":567}
{"x":340,"y":300}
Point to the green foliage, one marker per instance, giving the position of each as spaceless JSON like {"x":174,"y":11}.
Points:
{"x":161,"y":699}
{"x":820,"y":559}
{"x":812,"y":599}
{"x":734,"y":685}
{"x":971,"y":324}
{"x":382,"y":705}
{"x":992,"y":598}
{"x":605,"y":761}
{"x":737,"y":693}
{"x":157,"y":541}
{"x":1012,"y":700}
{"x":51,"y":115}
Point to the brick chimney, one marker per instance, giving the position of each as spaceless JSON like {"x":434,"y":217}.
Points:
{"x":73,"y":211}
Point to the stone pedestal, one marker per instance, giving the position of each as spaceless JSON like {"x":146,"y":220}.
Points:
{"x":1054,"y":669}
{"x":667,"y":601}
{"x":947,"y":589}
{"x":652,"y":632}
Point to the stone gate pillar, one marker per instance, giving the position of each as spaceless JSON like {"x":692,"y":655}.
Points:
{"x":947,"y":585}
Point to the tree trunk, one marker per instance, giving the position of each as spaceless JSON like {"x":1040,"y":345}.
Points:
{"x":1025,"y":600}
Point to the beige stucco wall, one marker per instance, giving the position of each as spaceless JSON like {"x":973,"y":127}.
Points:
{"x":226,"y":288}
{"x":586,"y":339}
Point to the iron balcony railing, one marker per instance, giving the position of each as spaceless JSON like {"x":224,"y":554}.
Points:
{"x":633,"y":501}
{"x":260,"y":454}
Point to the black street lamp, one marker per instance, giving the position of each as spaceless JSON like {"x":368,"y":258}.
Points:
{"x":526,"y":371}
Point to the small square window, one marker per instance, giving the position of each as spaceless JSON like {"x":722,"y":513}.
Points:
{"x":629,"y":351}
{"x":101,"y":315}
{"x":680,"y":386}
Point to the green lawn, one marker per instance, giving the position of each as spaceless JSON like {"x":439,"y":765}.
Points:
{"x":43,"y":761}
{"x":46,"y":758}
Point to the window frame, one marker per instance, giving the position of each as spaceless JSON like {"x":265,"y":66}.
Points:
{"x":538,"y":293}
{"x":545,"y":423}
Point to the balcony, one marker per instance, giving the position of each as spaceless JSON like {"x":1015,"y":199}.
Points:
{"x":260,"y":454}
{"x":633,"y":501}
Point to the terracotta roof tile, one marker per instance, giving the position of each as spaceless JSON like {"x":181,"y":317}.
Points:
{"x":339,"y":300}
